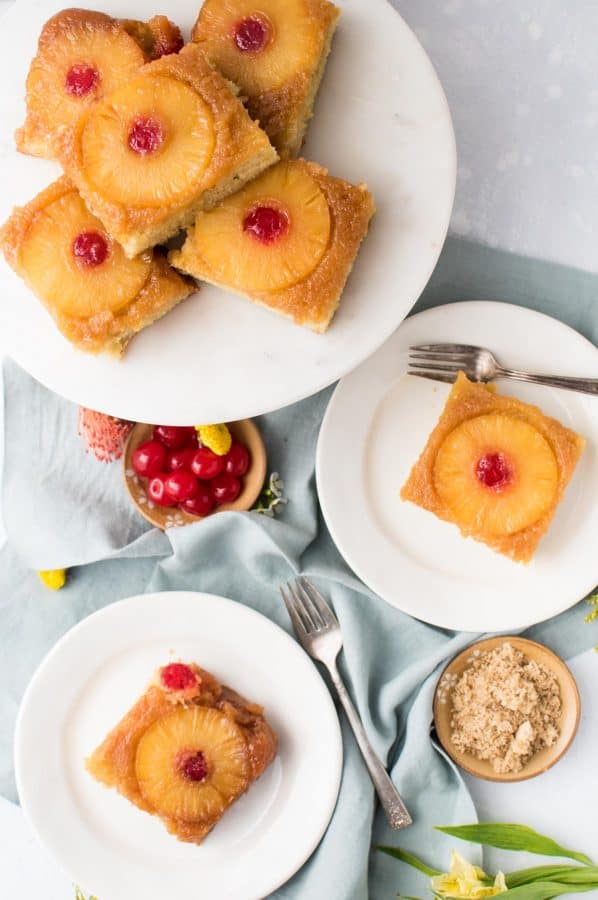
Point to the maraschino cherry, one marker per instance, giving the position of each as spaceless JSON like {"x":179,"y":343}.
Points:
{"x":225,"y":489}
{"x":174,"y":436}
{"x":90,"y":249}
{"x":81,"y":79}
{"x":494,"y":472}
{"x":236,"y":461}
{"x":251,"y":34}
{"x":200,"y":505}
{"x":146,"y":135}
{"x":266,"y":224}
{"x":193,"y":766}
{"x":206,"y":464}
{"x":149,"y":459}
{"x":178,"y":677}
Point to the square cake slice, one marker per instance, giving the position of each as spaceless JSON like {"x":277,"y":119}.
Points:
{"x":98,"y":298}
{"x":81,"y":56}
{"x":495,"y":467}
{"x":287,"y":241}
{"x":173,"y":141}
{"x":276,"y":52}
{"x":186,"y":750}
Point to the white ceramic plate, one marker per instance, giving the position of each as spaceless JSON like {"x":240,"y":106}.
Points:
{"x":381,"y":117}
{"x":96,"y":672}
{"x":377,"y":424}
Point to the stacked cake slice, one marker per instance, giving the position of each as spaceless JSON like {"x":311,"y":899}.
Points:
{"x":155,"y":137}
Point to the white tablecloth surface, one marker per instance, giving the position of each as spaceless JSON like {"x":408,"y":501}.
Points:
{"x":521,"y":77}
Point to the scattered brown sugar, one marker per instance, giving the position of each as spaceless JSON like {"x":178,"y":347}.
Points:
{"x":505,"y":708}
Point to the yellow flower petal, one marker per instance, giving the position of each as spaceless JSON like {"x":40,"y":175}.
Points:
{"x":466,"y":881}
{"x":53,"y":578}
{"x":500,"y":883}
{"x":217,"y":437}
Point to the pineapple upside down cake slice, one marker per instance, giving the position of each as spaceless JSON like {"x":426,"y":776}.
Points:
{"x":276,"y":52}
{"x":172,"y":141}
{"x":81,"y":56}
{"x":98,"y":298}
{"x":495,"y":467}
{"x":287,"y":241}
{"x":186,"y":750}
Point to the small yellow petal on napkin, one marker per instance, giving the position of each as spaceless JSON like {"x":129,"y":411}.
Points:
{"x":53,"y":578}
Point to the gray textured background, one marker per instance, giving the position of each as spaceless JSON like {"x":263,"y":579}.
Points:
{"x":521,"y":80}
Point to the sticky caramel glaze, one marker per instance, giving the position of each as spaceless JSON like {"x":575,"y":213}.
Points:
{"x":468,"y":400}
{"x":107,"y":331}
{"x":314,"y":300}
{"x":241,"y":152}
{"x":113,"y":762}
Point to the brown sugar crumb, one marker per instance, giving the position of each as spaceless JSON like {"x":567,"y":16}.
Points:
{"x":505,"y":708}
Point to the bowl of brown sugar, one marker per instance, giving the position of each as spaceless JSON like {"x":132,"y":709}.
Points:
{"x":506,"y":709}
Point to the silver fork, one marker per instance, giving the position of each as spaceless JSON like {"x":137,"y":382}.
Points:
{"x":441,"y":362}
{"x":319,"y":632}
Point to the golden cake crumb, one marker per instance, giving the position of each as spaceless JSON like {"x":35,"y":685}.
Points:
{"x":505,"y":708}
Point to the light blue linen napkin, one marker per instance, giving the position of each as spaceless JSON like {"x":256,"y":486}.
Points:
{"x":64,"y":509}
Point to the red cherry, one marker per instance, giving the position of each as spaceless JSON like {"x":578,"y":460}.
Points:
{"x":146,"y":135}
{"x":81,"y":79}
{"x":149,"y":459}
{"x":192,"y":766}
{"x":200,"y":505}
{"x":494,"y":471}
{"x":156,"y":491}
{"x":266,"y":224}
{"x":90,"y":249}
{"x":206,"y":464}
{"x":236,"y":461}
{"x":173,"y":436}
{"x":179,"y":459}
{"x":178,"y":677}
{"x":181,"y":485}
{"x":225,"y":489}
{"x":251,"y":34}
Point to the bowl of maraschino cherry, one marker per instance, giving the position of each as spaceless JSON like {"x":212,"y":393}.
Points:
{"x":176,"y":475}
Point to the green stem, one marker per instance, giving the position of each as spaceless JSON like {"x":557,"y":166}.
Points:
{"x":410,"y":859}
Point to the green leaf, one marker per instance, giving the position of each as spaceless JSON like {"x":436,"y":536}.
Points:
{"x":562,"y":874}
{"x":544,"y":890}
{"x":512,"y":837}
{"x":410,"y":859}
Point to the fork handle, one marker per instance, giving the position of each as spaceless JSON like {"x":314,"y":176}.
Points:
{"x":394,"y":808}
{"x":582,"y":385}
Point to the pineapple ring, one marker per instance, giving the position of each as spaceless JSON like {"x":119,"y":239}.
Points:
{"x":248,"y":264}
{"x":113,"y":52}
{"x":166,"y":176}
{"x":518,"y":505}
{"x":195,"y":728}
{"x":54,"y":274}
{"x":295,"y":38}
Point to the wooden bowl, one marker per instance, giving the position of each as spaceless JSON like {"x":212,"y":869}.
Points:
{"x":541,"y":761}
{"x":244,"y":431}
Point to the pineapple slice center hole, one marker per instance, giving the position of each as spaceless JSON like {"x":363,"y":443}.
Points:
{"x":90,"y":249}
{"x":494,"y":471}
{"x":252,"y":33}
{"x":81,"y":79}
{"x":192,"y":765}
{"x":146,"y":135}
{"x":267,"y":223}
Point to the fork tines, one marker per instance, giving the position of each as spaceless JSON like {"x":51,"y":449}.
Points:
{"x":306,"y":607}
{"x":440,"y":362}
